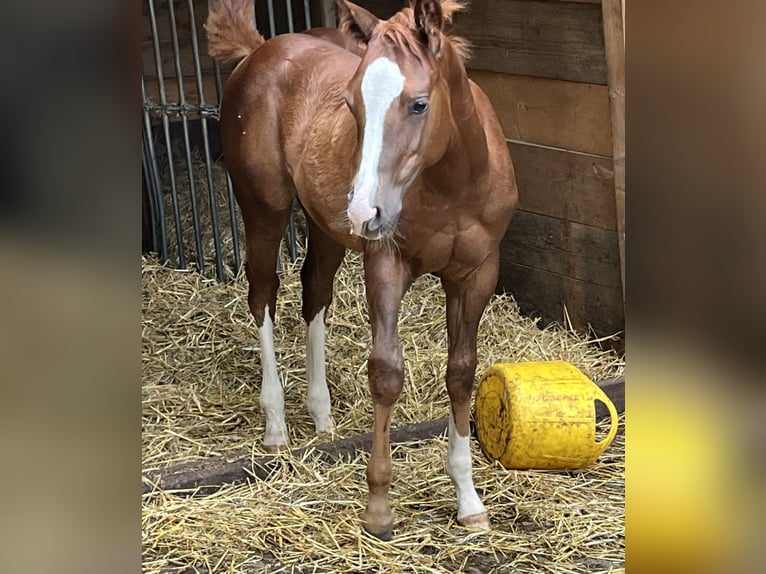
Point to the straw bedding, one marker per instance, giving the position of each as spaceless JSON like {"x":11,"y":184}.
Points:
{"x":200,"y":398}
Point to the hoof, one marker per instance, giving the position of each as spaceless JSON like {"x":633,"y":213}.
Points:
{"x":476,"y":521}
{"x":384,"y":535}
{"x":276,"y":448}
{"x":326,"y":436}
{"x":325,"y":428}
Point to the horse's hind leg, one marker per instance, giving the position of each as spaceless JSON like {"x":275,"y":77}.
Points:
{"x":265,"y":225}
{"x":322,"y":261}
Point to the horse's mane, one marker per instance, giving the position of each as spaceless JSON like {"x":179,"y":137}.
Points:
{"x":399,"y":29}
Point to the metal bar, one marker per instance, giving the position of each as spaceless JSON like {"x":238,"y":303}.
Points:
{"x":291,"y":231}
{"x":233,"y":218}
{"x":150,"y":187}
{"x":307,"y":12}
{"x":218,"y":81}
{"x":229,"y":188}
{"x":155,"y":190}
{"x":234,"y":230}
{"x":272,"y":25}
{"x":166,"y":130}
{"x":328,"y":13}
{"x":217,"y":67}
{"x":290,"y":25}
{"x":187,"y":145}
{"x":206,"y":141}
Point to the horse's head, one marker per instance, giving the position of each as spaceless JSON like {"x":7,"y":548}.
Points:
{"x":400,"y":101}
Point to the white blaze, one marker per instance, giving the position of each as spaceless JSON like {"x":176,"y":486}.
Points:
{"x":272,"y":395}
{"x":317,"y":397}
{"x":381,"y":85}
{"x":461,"y":472}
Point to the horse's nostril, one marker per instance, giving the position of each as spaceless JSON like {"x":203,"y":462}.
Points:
{"x":372,"y":225}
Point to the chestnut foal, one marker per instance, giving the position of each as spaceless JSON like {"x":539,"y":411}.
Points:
{"x":377,"y":130}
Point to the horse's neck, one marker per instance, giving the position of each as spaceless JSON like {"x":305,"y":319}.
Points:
{"x":467,"y":152}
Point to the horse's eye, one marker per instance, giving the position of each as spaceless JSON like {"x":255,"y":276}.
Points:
{"x":419,"y":107}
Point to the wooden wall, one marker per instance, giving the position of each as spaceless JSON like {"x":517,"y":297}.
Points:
{"x":543,"y":65}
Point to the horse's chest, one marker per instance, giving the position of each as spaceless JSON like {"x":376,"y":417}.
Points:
{"x":452,"y":251}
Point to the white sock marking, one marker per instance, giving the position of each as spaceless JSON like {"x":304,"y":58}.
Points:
{"x":381,"y":85}
{"x":317,"y":397}
{"x":460,"y":471}
{"x":272,"y":395}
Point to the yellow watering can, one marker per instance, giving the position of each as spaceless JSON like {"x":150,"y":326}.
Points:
{"x":540,"y":415}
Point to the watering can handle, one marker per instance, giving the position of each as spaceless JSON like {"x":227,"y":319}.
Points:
{"x":601,"y":396}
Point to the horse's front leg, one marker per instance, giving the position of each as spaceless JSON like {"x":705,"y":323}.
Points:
{"x":386,"y":280}
{"x":466,"y":300}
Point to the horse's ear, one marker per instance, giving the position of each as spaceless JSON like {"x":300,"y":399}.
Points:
{"x":355,"y":20}
{"x":429,"y":21}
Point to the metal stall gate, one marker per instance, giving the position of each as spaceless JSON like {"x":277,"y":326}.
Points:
{"x":190,"y":217}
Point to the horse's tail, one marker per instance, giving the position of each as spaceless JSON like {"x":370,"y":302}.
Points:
{"x":231,"y":33}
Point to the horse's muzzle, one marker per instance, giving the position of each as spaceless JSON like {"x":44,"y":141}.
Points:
{"x":377,"y":227}
{"x":372,"y":226}
{"x":368,"y":220}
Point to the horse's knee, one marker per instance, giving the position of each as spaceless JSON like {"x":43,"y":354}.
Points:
{"x":262,"y":293}
{"x":461,"y":371}
{"x":386,"y":373}
{"x":318,"y":271}
{"x":317,"y":295}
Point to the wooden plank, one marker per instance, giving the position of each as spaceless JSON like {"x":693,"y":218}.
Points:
{"x":567,"y":185}
{"x":560,"y":40}
{"x":562,"y":247}
{"x":544,"y":294}
{"x":384,"y":9}
{"x":219,"y":470}
{"x":615,"y":390}
{"x":568,"y":115}
{"x":208,"y":474}
{"x":147,"y":235}
{"x":615,"y":59}
{"x":529,"y":35}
